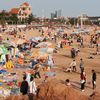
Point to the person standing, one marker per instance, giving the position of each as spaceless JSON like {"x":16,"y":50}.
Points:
{"x":24,"y":86}
{"x":97,"y":47}
{"x":73,"y":53}
{"x":81,"y":65}
{"x":94,"y":79}
{"x":37,"y":71}
{"x":32,"y":88}
{"x":81,"y":43}
{"x":73,"y":65}
{"x":83,"y":81}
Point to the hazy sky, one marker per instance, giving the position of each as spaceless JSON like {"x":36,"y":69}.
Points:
{"x":68,"y":7}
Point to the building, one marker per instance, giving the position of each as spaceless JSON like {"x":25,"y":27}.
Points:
{"x":23,"y":11}
{"x":56,"y":14}
{"x":53,"y":15}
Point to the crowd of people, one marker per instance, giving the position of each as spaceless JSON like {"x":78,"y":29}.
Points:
{"x":54,"y":35}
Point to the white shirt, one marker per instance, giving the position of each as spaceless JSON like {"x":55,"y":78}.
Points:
{"x":32,"y":86}
{"x":73,"y":64}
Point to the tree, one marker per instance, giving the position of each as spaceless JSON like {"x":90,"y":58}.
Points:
{"x":13,"y":18}
{"x":72,"y":21}
{"x":3,"y":18}
{"x":87,"y":22}
{"x":30,"y":18}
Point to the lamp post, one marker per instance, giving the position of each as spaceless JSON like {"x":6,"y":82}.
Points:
{"x":81,"y":21}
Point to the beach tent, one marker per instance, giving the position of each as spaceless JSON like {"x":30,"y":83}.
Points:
{"x":37,"y":39}
{"x":3,"y":50}
{"x":3,"y":53}
{"x":47,"y":50}
{"x":75,"y":32}
{"x":20,"y":41}
{"x":9,"y":43}
{"x":39,"y":54}
{"x":44,"y":44}
{"x":98,"y":32}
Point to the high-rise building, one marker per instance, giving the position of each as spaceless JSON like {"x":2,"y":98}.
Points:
{"x":52,"y":15}
{"x":56,"y":14}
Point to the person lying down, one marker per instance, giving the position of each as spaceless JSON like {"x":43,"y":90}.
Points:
{"x":69,"y":69}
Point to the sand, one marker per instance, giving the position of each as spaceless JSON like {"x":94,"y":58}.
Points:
{"x":62,"y":60}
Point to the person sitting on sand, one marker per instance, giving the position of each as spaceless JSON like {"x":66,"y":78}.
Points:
{"x":77,"y":51}
{"x":69,"y":69}
{"x":68,"y":82}
{"x":73,"y":65}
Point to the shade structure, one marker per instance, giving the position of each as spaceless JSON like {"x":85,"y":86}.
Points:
{"x":37,"y":39}
{"x":44,"y":44}
{"x":9,"y":43}
{"x":39,"y":54}
{"x":75,"y":32}
{"x":47,"y":50}
{"x":3,"y":50}
{"x":20,"y":41}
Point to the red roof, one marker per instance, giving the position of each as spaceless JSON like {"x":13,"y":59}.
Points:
{"x":26,"y":4}
{"x":14,"y":11}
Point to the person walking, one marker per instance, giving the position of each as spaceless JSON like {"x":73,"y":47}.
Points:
{"x":81,"y":43}
{"x":83,"y":81}
{"x":94,"y":79}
